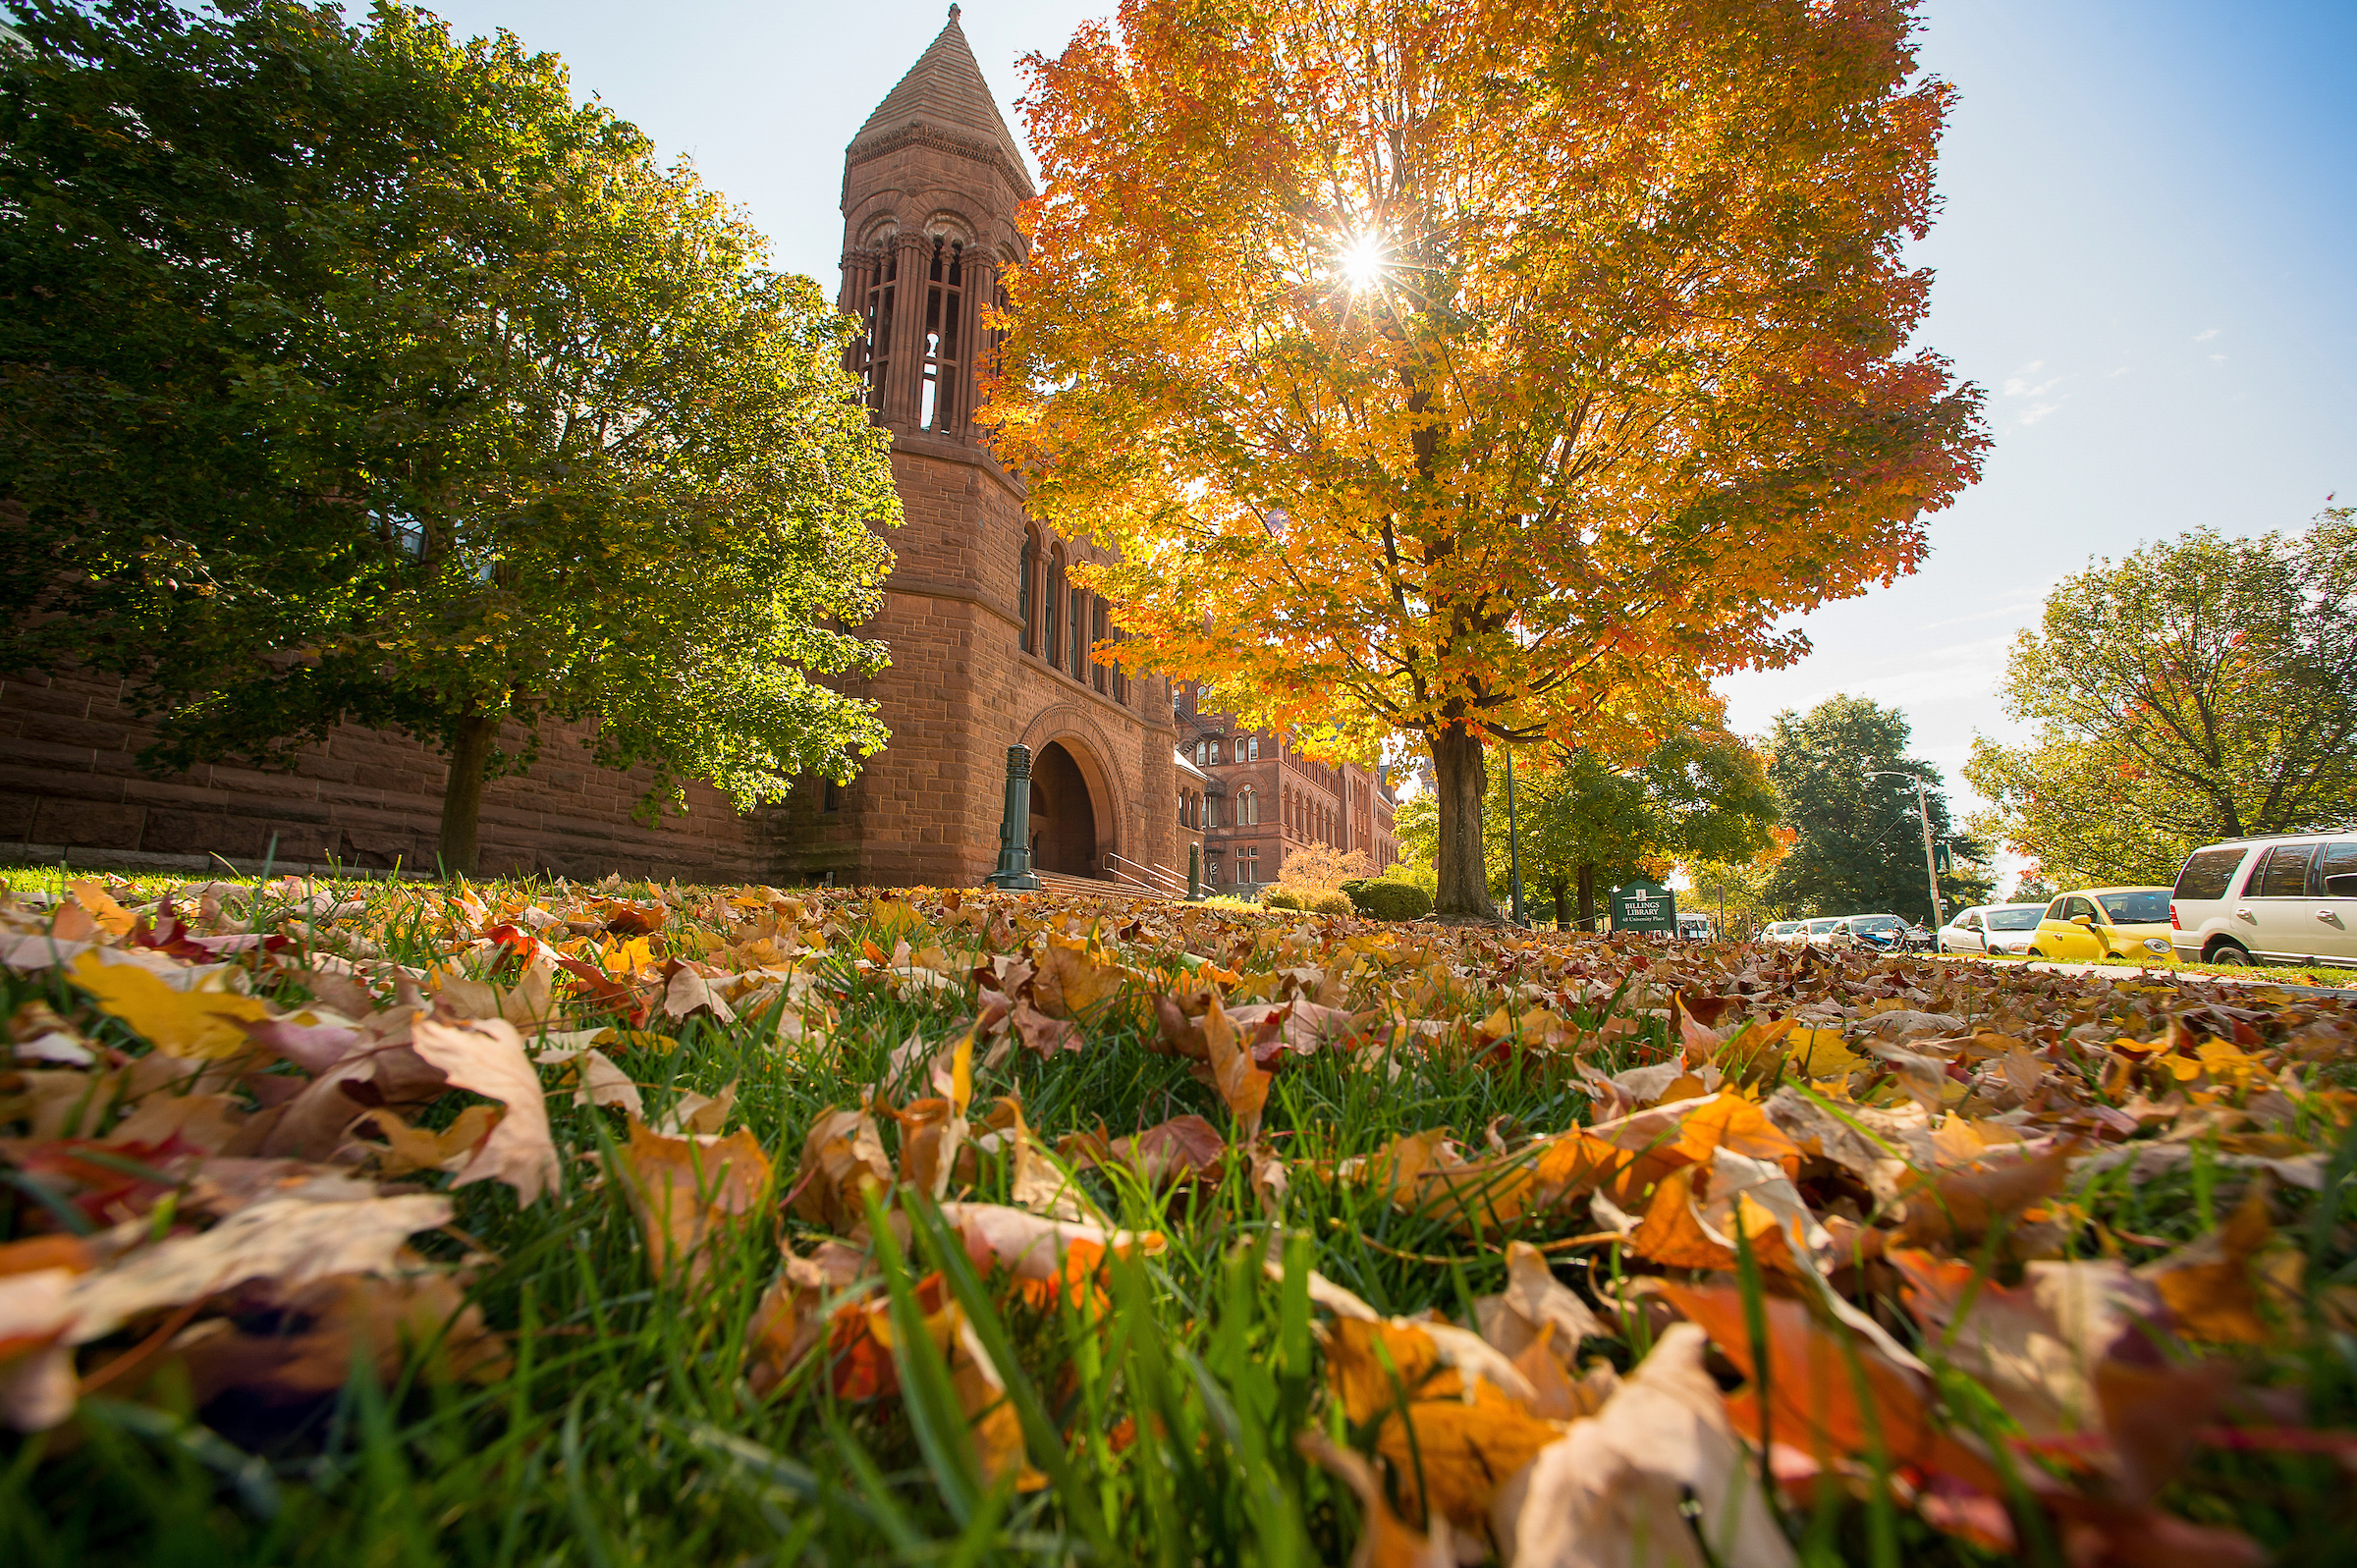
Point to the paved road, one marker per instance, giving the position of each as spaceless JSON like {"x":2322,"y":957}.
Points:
{"x":2118,"y":971}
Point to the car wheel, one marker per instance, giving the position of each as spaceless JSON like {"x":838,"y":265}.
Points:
{"x":2230,"y":952}
{"x":2033,"y":954}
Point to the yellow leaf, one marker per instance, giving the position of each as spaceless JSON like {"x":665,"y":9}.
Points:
{"x":100,"y":907}
{"x":178,"y":1023}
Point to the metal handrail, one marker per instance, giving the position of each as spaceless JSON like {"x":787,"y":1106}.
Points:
{"x":1144,"y":876}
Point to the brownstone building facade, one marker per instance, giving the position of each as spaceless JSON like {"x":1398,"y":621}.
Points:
{"x":1266,"y":801}
{"x":991,"y":642}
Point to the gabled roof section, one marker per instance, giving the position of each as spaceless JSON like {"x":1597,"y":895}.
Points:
{"x":945,"y":91}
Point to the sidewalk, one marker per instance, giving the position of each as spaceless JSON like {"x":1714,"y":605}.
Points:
{"x":2122,"y":971}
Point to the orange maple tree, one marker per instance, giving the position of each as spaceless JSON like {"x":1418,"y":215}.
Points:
{"x":1475,"y":371}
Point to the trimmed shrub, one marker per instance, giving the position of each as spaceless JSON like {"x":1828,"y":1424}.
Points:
{"x":1277,"y":896}
{"x":1330,"y":903}
{"x":1392,"y":901}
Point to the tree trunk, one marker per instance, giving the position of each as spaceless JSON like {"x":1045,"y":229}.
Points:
{"x":1587,"y":896}
{"x":1463,"y":782}
{"x":1562,"y":921}
{"x":463,"y":795}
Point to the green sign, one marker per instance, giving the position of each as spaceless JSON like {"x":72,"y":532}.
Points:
{"x":1643,"y":907}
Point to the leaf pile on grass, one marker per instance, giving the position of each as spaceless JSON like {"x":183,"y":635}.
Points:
{"x":527,"y":1220}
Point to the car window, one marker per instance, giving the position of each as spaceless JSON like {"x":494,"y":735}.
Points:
{"x":2054,"y":911}
{"x":2284,"y":874}
{"x":2072,"y":908}
{"x":2340,"y":869}
{"x":2142,"y":908}
{"x":1819,"y":928}
{"x":2014,"y":919}
{"x":1971,"y":920}
{"x":2209,"y":873}
{"x":1878,"y":923}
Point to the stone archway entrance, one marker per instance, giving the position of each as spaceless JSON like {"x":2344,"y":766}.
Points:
{"x":1064,"y":814}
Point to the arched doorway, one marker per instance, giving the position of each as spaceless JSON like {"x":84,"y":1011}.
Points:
{"x":1064,"y":818}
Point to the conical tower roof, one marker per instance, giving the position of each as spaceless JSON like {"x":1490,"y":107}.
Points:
{"x":945,"y":91}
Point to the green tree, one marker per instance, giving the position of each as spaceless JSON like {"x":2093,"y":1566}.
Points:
{"x":1734,"y":894}
{"x":2202,"y":688}
{"x":354,"y":374}
{"x":1858,"y":839}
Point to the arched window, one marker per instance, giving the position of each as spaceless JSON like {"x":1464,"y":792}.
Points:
{"x":1098,"y":634}
{"x":1253,"y":746}
{"x":1029,"y":589}
{"x":1054,"y":596}
{"x":1077,"y":661}
{"x":1247,"y":808}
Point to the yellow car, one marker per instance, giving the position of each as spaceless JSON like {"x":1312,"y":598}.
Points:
{"x":2107,"y":925}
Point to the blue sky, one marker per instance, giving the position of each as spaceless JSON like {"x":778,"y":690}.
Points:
{"x":2147,"y":257}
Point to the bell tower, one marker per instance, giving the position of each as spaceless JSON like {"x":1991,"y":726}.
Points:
{"x":930,"y":188}
{"x":991,"y":636}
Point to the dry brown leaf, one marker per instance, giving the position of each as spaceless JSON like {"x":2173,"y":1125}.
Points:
{"x":1241,"y":1082}
{"x":690,"y":1192}
{"x":1611,"y":1492}
{"x":286,"y":1241}
{"x":408,"y":1148}
{"x":486,"y":1056}
{"x":1387,"y":1542}
{"x":375,"y":1322}
{"x":841,"y":1153}
{"x":2208,"y":1284}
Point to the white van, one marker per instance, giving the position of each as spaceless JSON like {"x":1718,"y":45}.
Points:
{"x":2290,"y":899}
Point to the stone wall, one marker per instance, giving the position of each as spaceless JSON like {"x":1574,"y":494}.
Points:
{"x":367,"y":798}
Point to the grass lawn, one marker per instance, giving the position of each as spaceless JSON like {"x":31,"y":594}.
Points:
{"x":1247,"y":1338}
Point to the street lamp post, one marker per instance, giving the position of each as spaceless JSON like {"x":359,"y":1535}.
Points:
{"x":1931,"y":865}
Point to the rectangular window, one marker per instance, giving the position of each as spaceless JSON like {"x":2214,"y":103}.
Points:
{"x":1079,"y":624}
{"x":2210,"y":873}
{"x":2284,"y":874}
{"x":1046,"y":642}
{"x":1210,"y":811}
{"x":2341,"y":870}
{"x":1096,"y":672}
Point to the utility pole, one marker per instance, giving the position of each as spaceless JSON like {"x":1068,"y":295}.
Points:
{"x":1931,"y":864}
{"x":1513,"y":840}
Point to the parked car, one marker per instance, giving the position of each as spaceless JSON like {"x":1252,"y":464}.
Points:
{"x":2106,"y":925}
{"x":1695,"y":927}
{"x":2285,"y":900}
{"x":1875,"y":930}
{"x":1992,"y":928}
{"x":1821,"y":931}
{"x":1784,"y":931}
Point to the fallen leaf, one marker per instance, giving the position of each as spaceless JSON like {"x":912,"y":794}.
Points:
{"x":203,"y":1024}
{"x":841,"y":1153}
{"x":486,"y":1056}
{"x":688,"y":1192}
{"x":1610,"y":1491}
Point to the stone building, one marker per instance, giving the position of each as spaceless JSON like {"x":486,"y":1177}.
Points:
{"x":1266,"y":800}
{"x":990,"y":640}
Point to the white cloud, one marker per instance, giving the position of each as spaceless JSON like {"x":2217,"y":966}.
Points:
{"x":2031,"y":415}
{"x":2121,"y":371}
{"x":2219,"y":357}
{"x":2204,"y":336}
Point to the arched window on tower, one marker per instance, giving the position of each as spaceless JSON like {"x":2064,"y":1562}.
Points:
{"x":940,"y":393}
{"x":1247,"y":807}
{"x":881,"y":269}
